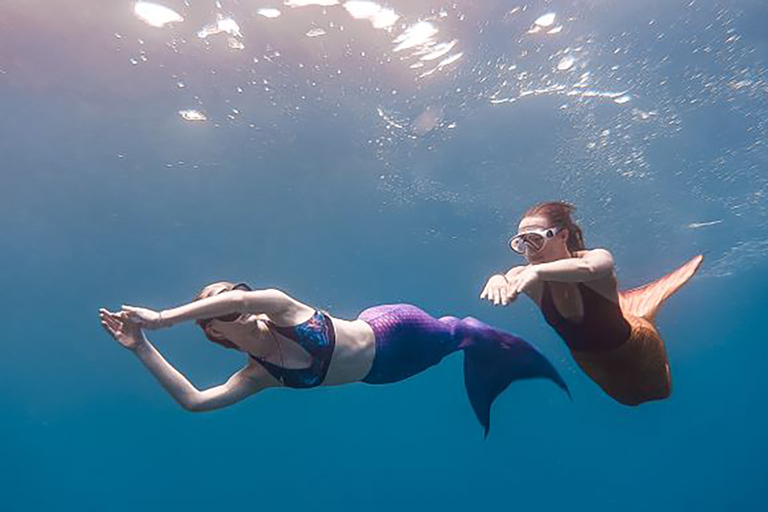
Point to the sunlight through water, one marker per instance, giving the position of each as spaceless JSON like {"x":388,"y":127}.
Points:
{"x":155,"y":14}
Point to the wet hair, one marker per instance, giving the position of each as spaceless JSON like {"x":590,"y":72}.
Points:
{"x":559,"y":214}
{"x":209,"y":291}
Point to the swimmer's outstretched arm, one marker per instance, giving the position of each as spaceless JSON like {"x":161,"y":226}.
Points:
{"x":274,"y":303}
{"x":501,"y":289}
{"x":242,"y":384}
{"x":587,"y":266}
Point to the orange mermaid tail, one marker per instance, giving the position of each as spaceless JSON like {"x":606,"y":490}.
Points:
{"x":638,"y":370}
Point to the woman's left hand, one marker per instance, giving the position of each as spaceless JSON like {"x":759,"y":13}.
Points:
{"x":127,"y":333}
{"x":522,"y":282}
{"x":145,"y":318}
{"x":496,"y":290}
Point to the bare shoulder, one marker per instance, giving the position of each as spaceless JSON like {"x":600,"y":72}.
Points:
{"x":599,"y":257}
{"x":598,"y":251}
{"x":601,"y":260}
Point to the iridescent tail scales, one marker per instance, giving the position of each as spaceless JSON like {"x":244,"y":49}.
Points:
{"x":644,"y":302}
{"x":493,"y":359}
{"x":409,"y":341}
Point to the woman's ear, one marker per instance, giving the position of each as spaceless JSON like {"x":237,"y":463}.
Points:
{"x":564,"y":234}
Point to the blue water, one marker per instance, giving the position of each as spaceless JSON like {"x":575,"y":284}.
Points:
{"x":330,"y":168}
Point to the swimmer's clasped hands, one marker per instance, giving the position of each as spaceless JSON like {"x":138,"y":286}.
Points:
{"x":126,"y":325}
{"x":497,"y":290}
{"x":503,"y":291}
{"x":123,"y":330}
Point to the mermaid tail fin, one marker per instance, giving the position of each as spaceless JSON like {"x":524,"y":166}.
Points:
{"x":493,"y":359}
{"x":645,"y":301}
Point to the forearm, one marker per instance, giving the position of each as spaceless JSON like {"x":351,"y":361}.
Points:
{"x":169,"y":377}
{"x":210,"y":307}
{"x":261,"y":301}
{"x":572,"y":270}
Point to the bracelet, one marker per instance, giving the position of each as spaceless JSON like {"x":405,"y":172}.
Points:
{"x":160,"y":321}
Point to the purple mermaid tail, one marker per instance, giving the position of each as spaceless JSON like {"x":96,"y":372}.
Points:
{"x":408,"y":341}
{"x":493,"y":359}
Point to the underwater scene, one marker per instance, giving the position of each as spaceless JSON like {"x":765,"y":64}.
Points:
{"x":376,"y":255}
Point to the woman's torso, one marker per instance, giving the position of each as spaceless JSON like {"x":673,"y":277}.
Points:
{"x":586,"y":315}
{"x":286,"y":353}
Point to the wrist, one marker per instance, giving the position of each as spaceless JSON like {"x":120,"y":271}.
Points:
{"x":140,"y":346}
{"x":163,"y":320}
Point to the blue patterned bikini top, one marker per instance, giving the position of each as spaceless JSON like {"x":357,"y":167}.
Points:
{"x":318,"y":338}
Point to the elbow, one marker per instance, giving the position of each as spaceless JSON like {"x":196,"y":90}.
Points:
{"x":261,"y":301}
{"x":240,"y":299}
{"x":597,"y":271}
{"x":599,"y":267}
{"x":594,"y":272}
{"x":195,"y":406}
{"x":278,"y":297}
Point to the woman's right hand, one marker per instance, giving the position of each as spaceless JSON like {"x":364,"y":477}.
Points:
{"x":497,"y":290}
{"x":125,"y":332}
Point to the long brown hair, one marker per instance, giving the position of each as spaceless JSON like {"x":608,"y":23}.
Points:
{"x":559,"y":214}
{"x":209,"y":291}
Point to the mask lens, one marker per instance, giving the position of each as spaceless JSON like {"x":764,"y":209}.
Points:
{"x":521,"y":242}
{"x":517,"y":244}
{"x":534,"y":240}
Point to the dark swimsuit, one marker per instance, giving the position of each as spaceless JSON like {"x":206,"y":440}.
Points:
{"x":602,"y":328}
{"x":318,"y":338}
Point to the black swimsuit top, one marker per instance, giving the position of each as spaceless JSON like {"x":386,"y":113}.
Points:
{"x":603,"y":326}
{"x":318,"y":338}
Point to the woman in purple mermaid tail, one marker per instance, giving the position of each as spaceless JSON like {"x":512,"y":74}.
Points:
{"x":290,"y":344}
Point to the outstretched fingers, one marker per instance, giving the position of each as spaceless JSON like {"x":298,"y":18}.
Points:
{"x":109,"y":323}
{"x":486,"y":292}
{"x":113,"y":323}
{"x":498,"y":295}
{"x":111,"y":329}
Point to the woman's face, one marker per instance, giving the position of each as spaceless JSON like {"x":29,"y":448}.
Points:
{"x":242,"y":332}
{"x":554,"y":248}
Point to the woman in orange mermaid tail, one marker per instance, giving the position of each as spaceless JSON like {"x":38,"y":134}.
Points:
{"x":611,"y":333}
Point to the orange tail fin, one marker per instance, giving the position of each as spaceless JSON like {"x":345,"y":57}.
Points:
{"x":644,"y":301}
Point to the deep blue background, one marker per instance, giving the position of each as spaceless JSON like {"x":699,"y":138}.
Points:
{"x":109,"y":197}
